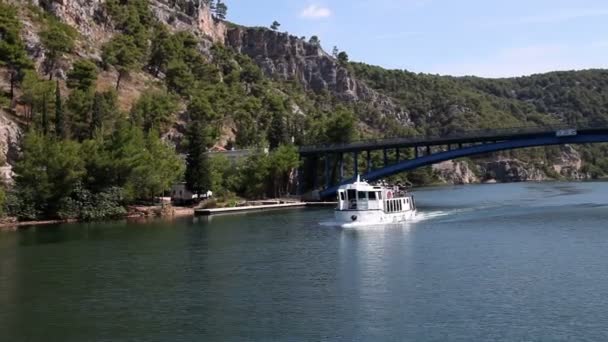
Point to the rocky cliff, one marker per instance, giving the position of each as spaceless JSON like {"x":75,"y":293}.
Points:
{"x":286,"y":57}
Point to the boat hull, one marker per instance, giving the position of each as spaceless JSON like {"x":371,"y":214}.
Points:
{"x":363,"y":218}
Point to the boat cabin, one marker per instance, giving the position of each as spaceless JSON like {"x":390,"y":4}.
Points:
{"x":361,"y":196}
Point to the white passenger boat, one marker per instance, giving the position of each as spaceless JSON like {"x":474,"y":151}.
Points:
{"x":361,"y":204}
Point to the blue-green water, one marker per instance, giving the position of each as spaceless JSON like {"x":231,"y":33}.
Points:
{"x":517,"y":262}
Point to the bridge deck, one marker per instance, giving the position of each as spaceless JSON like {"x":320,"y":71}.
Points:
{"x":468,"y":137}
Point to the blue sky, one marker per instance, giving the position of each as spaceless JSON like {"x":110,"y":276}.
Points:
{"x":488,"y":38}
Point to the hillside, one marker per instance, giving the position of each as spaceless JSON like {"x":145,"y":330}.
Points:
{"x":86,"y":70}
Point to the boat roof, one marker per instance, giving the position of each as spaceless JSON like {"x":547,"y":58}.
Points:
{"x":359,"y":185}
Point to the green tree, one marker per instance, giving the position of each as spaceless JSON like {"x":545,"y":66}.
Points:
{"x":314,"y":40}
{"x":198,"y":169}
{"x":255,"y":175}
{"x":164,"y":49}
{"x":83,"y":75}
{"x":156,"y":169}
{"x":340,"y":127}
{"x":12,"y":50}
{"x":277,"y":133}
{"x":221,"y":10}
{"x":46,"y":172}
{"x":123,"y":53}
{"x":275,"y":25}
{"x":343,"y":58}
{"x":45,"y":116}
{"x":59,"y":118}
{"x":105,"y":113}
{"x":282,"y":163}
{"x":179,"y":78}
{"x":57,"y":39}
{"x":78,"y":107}
{"x":35,"y":91}
{"x":154,"y":110}
{"x":221,"y":174}
{"x":335,"y":52}
{"x":133,"y":18}
{"x":200,"y":110}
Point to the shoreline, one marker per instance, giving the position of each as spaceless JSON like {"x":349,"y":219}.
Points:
{"x":179,"y":212}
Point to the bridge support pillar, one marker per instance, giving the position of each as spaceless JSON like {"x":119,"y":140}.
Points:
{"x":428,"y":150}
{"x":416,"y":154}
{"x":398,"y":156}
{"x":460,"y":145}
{"x":369,"y":162}
{"x":356,"y":164}
{"x":449,"y":147}
{"x":385,"y":155}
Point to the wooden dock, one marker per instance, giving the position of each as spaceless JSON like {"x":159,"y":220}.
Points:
{"x":234,"y":210}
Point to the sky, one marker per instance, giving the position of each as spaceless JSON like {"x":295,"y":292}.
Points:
{"x":488,"y":38}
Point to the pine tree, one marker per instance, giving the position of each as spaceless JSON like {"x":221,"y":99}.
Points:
{"x":343,"y":58}
{"x":335,"y":52}
{"x":221,"y":10}
{"x":58,"y":39}
{"x":275,"y":25}
{"x":97,"y":115}
{"x":45,"y":116}
{"x":198,"y":169}
{"x":59,"y":119}
{"x":12,"y":50}
{"x":123,"y":53}
{"x":277,"y":133}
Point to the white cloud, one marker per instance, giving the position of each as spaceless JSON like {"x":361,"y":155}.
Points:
{"x":315,"y":12}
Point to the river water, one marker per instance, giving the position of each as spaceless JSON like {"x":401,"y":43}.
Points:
{"x":515,"y":262}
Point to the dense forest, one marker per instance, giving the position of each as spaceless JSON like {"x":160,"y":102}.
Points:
{"x":82,"y":157}
{"x":85,"y":154}
{"x":440,"y":105}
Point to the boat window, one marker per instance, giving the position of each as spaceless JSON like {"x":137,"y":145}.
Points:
{"x":371,"y":195}
{"x":379,"y":195}
{"x":341,"y":195}
{"x":400,"y":206}
{"x":362,"y":195}
{"x":352,"y":194}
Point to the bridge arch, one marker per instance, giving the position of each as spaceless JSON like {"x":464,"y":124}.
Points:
{"x":439,"y":157}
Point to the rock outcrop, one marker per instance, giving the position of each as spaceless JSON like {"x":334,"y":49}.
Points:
{"x":455,"y":172}
{"x":285,"y":57}
{"x":10,"y":133}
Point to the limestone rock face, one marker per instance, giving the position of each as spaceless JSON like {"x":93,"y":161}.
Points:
{"x":569,"y":164}
{"x":455,"y":172}
{"x":286,"y":57}
{"x":10,"y":133}
{"x":190,"y":15}
{"x":512,"y":170}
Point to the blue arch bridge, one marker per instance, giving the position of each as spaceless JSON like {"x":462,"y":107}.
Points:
{"x":324,"y":165}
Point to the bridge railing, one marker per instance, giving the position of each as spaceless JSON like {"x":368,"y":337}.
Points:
{"x":422,"y":138}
